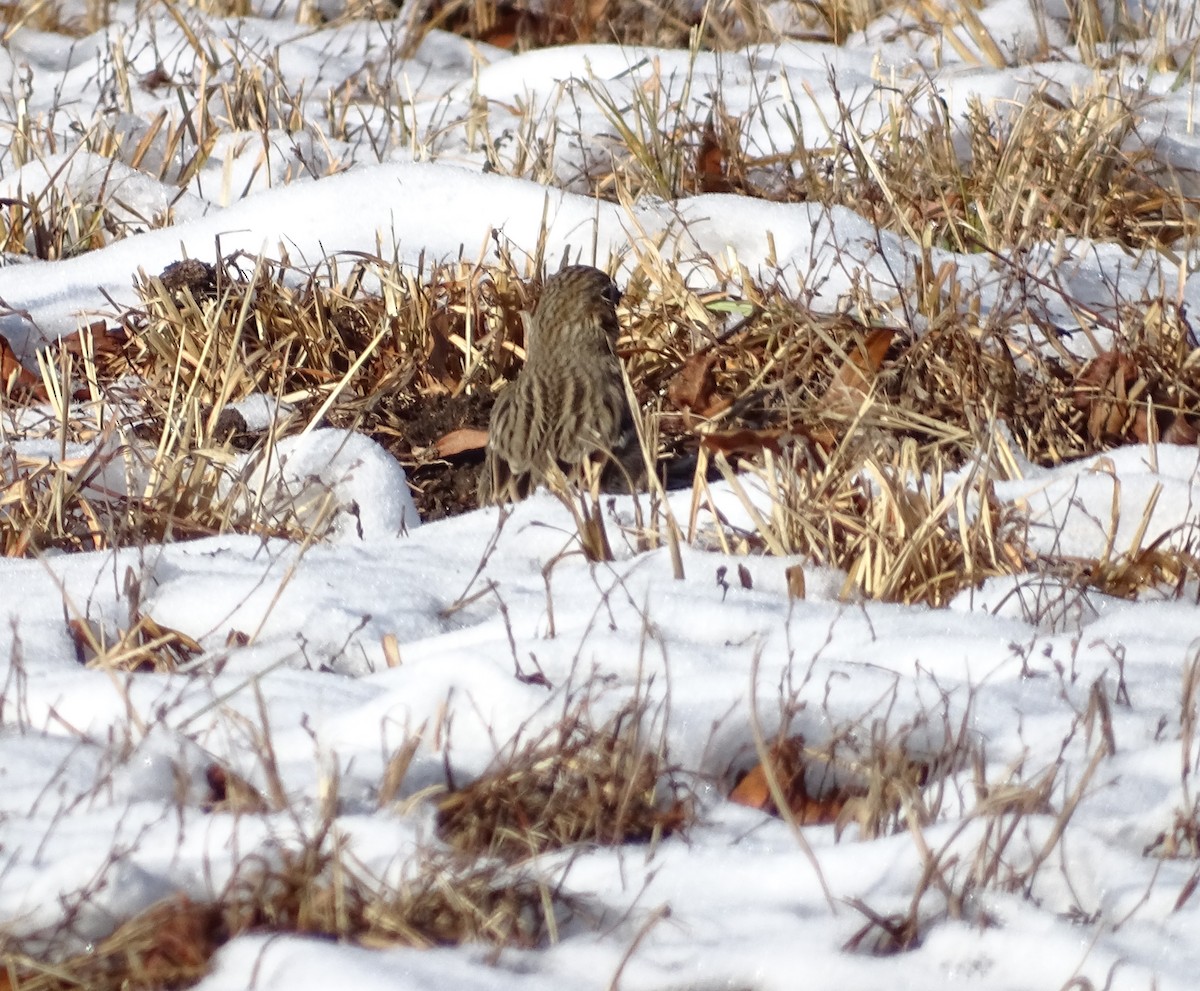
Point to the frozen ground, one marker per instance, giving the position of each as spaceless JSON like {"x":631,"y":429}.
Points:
{"x":100,"y":810}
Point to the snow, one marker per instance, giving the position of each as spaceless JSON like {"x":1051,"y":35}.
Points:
{"x":102,"y":774}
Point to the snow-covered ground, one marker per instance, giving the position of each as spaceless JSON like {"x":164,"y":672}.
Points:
{"x":103,"y":775}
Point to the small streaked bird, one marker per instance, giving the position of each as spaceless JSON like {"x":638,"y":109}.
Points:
{"x":567,"y":406}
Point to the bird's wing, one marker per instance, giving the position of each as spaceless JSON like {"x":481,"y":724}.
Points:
{"x":507,"y":459}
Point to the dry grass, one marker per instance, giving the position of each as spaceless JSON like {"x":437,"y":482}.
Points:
{"x":578,"y":784}
{"x":168,"y":459}
{"x":520,"y":26}
{"x":51,"y":226}
{"x":1031,"y":170}
{"x":873,"y":448}
{"x":138,"y":482}
{"x":890,"y":771}
{"x":315,"y":891}
{"x":446,"y":900}
{"x":1009,"y":832}
{"x":169,"y":945}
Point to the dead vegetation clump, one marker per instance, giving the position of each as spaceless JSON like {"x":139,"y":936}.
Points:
{"x":1005,"y":175}
{"x":875,"y":443}
{"x":519,"y":26}
{"x":879,"y":772}
{"x":148,"y":403}
{"x":838,"y":783}
{"x":874,"y":447}
{"x":1077,"y":166}
{"x":314,"y":890}
{"x":169,"y":945}
{"x":578,"y":784}
{"x":1014,"y":827}
{"x":444,"y":900}
{"x":344,"y":348}
{"x":1009,"y":834}
{"x":887,"y":774}
{"x":53,"y":225}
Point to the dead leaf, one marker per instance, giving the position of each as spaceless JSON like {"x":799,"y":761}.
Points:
{"x":852,"y":382}
{"x":746,"y":442}
{"x":1106,"y":390}
{"x":105,"y":340}
{"x":795,"y":581}
{"x":458,"y":441}
{"x":692,"y":387}
{"x":503,"y":32}
{"x":16,"y":377}
{"x":753,"y":791}
{"x":790,"y":764}
{"x":711,"y":167}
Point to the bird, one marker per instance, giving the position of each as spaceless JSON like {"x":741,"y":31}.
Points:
{"x":567,"y":407}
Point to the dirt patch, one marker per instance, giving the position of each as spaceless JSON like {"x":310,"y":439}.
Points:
{"x":410,"y":427}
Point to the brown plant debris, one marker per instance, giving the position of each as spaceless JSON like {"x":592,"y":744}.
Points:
{"x":582,"y":784}
{"x":144,"y":645}
{"x":814,"y":403}
{"x":168,"y":945}
{"x":818,"y":789}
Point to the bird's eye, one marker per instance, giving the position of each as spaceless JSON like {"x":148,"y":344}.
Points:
{"x":611,"y":294}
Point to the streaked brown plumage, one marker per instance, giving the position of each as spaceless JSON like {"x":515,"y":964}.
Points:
{"x":567,"y":405}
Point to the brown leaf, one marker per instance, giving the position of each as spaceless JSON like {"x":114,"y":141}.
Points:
{"x":753,"y":791}
{"x":852,"y":382}
{"x":16,"y":377}
{"x":795,"y":581}
{"x":710,"y":164}
{"x":789,"y":763}
{"x":744,"y":441}
{"x":1104,"y":390}
{"x":1099,"y":375}
{"x":458,"y":441}
{"x":693,"y":385}
{"x":105,"y":339}
{"x":503,"y":32}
